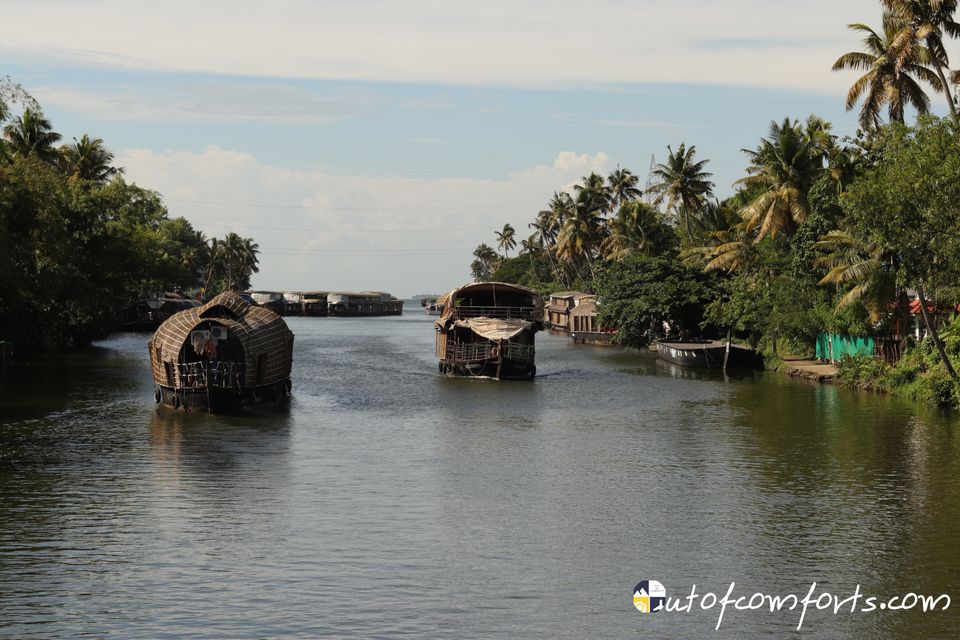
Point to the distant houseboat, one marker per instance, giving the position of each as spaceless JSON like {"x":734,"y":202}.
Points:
{"x":707,"y":353}
{"x":487,"y":329}
{"x":147,"y":314}
{"x":272,"y":300}
{"x":221,"y":356}
{"x":314,"y":303}
{"x":430,"y":307}
{"x":363,"y":303}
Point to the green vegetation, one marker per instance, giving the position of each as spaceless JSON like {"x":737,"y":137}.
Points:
{"x":78,"y":242}
{"x":822,"y":234}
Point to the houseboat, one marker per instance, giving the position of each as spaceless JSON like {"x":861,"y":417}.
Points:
{"x":487,"y":329}
{"x":147,"y":314}
{"x":711,"y":354}
{"x":314,"y":303}
{"x":363,"y":303}
{"x":430,"y":307}
{"x":272,"y":300}
{"x":221,"y":356}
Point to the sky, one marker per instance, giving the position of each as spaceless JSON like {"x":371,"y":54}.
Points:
{"x":374,"y":144}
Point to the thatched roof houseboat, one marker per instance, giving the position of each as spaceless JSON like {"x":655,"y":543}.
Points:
{"x":487,"y":329}
{"x":221,"y":356}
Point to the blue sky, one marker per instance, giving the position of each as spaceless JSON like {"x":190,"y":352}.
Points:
{"x":374,"y":144}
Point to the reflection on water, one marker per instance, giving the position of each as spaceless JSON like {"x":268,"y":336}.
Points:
{"x":389,"y":501}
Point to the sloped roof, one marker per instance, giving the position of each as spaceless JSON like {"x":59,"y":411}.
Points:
{"x":260,"y":330}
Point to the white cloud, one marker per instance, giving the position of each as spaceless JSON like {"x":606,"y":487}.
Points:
{"x":323,"y":230}
{"x":500,"y":42}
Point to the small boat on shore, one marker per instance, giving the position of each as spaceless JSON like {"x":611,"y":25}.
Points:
{"x":709,"y":354}
{"x":221,"y":356}
{"x":487,"y":329}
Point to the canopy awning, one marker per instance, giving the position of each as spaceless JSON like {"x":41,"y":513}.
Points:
{"x":493,"y":329}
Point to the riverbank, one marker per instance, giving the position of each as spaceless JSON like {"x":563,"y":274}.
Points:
{"x":821,"y":372}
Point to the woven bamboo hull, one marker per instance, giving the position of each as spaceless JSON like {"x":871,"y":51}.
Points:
{"x":222,"y":400}
{"x":506,"y":370}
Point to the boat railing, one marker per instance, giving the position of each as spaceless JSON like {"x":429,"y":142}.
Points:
{"x":211,"y":374}
{"x":500,"y":313}
{"x":479,"y":351}
{"x":521,"y":352}
{"x":466,"y":351}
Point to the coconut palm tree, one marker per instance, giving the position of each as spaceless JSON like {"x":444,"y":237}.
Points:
{"x":505,"y":239}
{"x":929,"y":21}
{"x":581,"y":232}
{"x":782,"y":169}
{"x":683,"y":184}
{"x":634,"y":228}
{"x":892,"y":62}
{"x":32,"y":135}
{"x":88,"y":159}
{"x":867,"y":268}
{"x":594,"y":194}
{"x":622,"y":186}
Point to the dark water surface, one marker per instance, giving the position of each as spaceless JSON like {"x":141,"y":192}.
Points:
{"x":388,"y":501}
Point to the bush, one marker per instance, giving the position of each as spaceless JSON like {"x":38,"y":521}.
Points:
{"x":863,"y":372}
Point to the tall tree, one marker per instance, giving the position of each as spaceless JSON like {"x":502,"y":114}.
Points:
{"x":781,"y":171}
{"x":88,"y":159}
{"x":909,"y":203}
{"x":893,"y":62}
{"x":581,"y":233}
{"x":622,"y":186}
{"x":505,"y":239}
{"x":930,"y":21}
{"x":683,"y":184}
{"x":32,"y":135}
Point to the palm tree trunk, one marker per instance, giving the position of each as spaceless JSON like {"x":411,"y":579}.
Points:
{"x":946,"y":90}
{"x":932,"y":330}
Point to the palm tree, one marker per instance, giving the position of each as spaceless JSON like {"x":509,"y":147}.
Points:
{"x":866,"y":267}
{"x":581,"y":233}
{"x":485,"y":259}
{"x":683,"y":184}
{"x":633,"y":229}
{"x":88,"y":159}
{"x":622,"y":186}
{"x":548,"y":224}
{"x":505,"y":239}
{"x":594,"y":194}
{"x":892,"y":63}
{"x":530,"y":246}
{"x":782,"y":168}
{"x":928,"y":21}
{"x":32,"y":135}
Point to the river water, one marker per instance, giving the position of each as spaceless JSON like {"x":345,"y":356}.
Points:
{"x":387,"y":501}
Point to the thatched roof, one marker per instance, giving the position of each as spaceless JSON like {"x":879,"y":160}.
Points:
{"x":261,"y":332}
{"x":460,"y":291}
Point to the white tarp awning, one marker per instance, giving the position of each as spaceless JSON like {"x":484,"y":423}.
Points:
{"x":493,"y":329}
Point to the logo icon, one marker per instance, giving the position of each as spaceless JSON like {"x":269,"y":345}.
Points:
{"x":649,"y":596}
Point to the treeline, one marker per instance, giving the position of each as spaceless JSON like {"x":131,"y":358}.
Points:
{"x":78,"y":242}
{"x":821,"y":234}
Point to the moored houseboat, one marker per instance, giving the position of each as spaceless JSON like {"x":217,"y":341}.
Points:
{"x":272,"y":300}
{"x":221,"y":356}
{"x":146,"y":314}
{"x":487,"y":329}
{"x":711,"y":354}
{"x":315,"y":303}
{"x":363,"y":303}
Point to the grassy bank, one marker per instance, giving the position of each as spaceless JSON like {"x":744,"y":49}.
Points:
{"x":919,"y":375}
